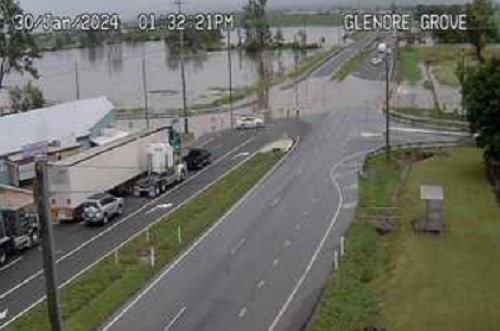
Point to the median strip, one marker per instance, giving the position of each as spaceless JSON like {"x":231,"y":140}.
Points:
{"x":98,"y":293}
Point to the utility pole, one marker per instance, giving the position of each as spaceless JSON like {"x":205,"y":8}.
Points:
{"x":183,"y":72}
{"x":230,"y":65}
{"x":387,"y":133}
{"x":463,"y":85}
{"x":145,"y":86}
{"x":77,"y":81}
{"x":49,"y":266}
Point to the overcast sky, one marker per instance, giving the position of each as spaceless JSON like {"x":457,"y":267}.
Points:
{"x":131,"y":8}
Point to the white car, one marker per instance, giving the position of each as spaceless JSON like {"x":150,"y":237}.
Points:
{"x":376,"y":61}
{"x":249,"y":122}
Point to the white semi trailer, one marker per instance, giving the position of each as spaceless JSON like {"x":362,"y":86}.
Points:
{"x":115,"y":167}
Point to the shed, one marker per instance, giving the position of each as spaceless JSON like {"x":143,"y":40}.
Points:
{"x":433,"y":195}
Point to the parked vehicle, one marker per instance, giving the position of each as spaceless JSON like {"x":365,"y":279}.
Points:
{"x":100,"y":208}
{"x":197,"y":158}
{"x":18,"y":233}
{"x":164,"y":169}
{"x":249,"y":122}
{"x":376,"y":61}
{"x":119,"y":168}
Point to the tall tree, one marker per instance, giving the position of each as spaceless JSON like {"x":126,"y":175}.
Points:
{"x":255,"y":24}
{"x":27,"y":98}
{"x":17,"y":47}
{"x":480,"y":26}
{"x":482,"y":101}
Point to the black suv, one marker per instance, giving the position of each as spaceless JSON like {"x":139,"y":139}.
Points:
{"x":197,"y":158}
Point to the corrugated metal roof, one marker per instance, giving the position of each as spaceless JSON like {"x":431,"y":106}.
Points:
{"x":53,"y":123}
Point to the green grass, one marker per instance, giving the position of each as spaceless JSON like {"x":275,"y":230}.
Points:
{"x":410,"y":61}
{"x":404,"y":281}
{"x":311,"y":61}
{"x":428,"y":113}
{"x":447,"y":283}
{"x":350,"y":65}
{"x":92,"y":298}
{"x":349,"y":302}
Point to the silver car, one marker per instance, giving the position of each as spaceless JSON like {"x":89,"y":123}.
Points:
{"x":100,"y":208}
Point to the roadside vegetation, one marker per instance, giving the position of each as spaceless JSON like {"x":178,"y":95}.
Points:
{"x":404,"y":281}
{"x":410,"y":61}
{"x":353,"y":63}
{"x":435,"y":114}
{"x":88,"y":301}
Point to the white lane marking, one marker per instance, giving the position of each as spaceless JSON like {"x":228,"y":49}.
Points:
{"x":370,"y":134}
{"x":238,"y":246}
{"x":275,"y":202}
{"x":442,"y":133}
{"x":3,"y":314}
{"x":314,"y":200}
{"x":306,"y":213}
{"x":109,"y":229}
{"x":351,"y":205}
{"x":297,"y":226}
{"x":165,"y":206}
{"x":244,"y":154}
{"x":243,"y":312}
{"x":353,"y":187}
{"x":321,"y":244}
{"x":276,"y":262}
{"x":176,"y":317}
{"x":7,"y":266}
{"x":201,"y":238}
{"x":261,"y":284}
{"x":287,"y":243}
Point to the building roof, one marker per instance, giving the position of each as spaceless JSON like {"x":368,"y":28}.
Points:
{"x":431,"y":192}
{"x":13,"y":199}
{"x":72,"y":119}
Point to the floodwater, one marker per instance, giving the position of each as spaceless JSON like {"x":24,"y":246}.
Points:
{"x":115,"y":71}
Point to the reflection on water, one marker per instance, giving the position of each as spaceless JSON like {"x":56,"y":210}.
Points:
{"x":114,"y":70}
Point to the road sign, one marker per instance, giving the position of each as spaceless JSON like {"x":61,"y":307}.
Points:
{"x":32,"y":150}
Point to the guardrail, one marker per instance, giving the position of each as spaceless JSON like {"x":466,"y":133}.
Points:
{"x":429,"y":122}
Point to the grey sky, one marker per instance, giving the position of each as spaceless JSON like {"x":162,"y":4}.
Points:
{"x":133,"y":7}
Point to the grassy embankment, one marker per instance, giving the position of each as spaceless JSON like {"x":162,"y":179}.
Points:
{"x":87,"y":302}
{"x":350,"y":65}
{"x":405,"y":281}
{"x":443,"y":61}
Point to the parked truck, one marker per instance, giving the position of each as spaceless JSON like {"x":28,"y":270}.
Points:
{"x":143,"y":162}
{"x":164,"y":169}
{"x":17,"y":232}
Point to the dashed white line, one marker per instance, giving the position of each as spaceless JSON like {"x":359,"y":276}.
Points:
{"x":275,"y":202}
{"x":261,"y":284}
{"x":297,"y":226}
{"x":238,"y":246}
{"x":176,"y":317}
{"x":7,"y":266}
{"x":287,"y":243}
{"x":276,"y":262}
{"x":3,"y":314}
{"x":243,"y":312}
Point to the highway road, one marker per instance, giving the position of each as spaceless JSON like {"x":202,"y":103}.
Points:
{"x":78,"y":247}
{"x":262,"y":267}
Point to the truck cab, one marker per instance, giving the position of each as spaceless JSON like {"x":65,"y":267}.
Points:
{"x":19,"y":224}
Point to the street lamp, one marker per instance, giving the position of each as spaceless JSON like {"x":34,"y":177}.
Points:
{"x":383,"y":49}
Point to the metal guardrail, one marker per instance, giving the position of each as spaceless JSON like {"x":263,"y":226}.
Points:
{"x":429,"y":122}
